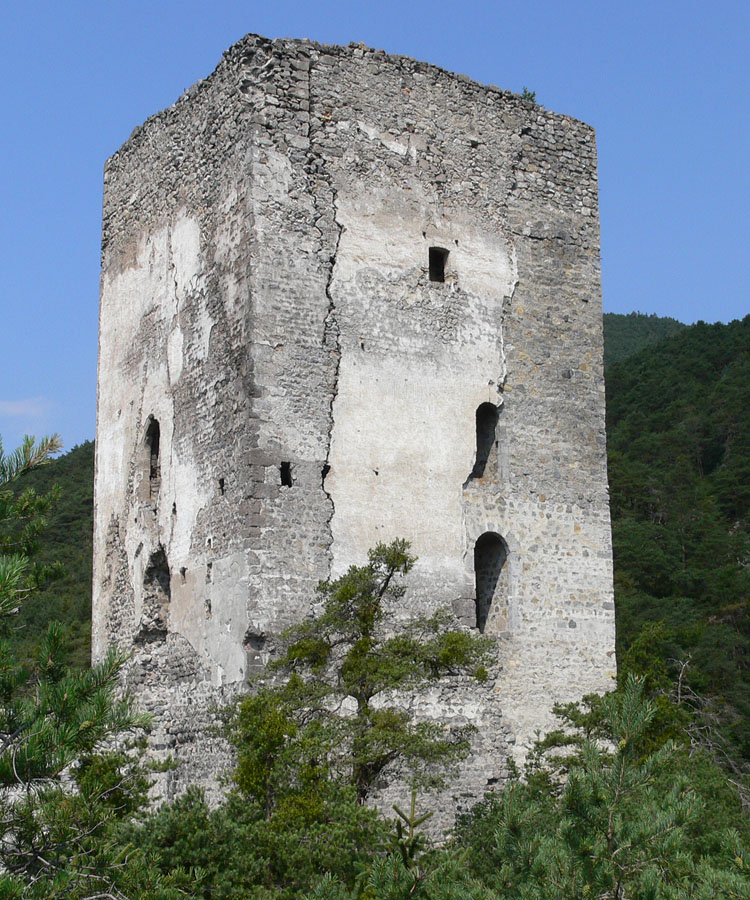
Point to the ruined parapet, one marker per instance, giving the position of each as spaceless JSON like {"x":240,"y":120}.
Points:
{"x":348,"y":297}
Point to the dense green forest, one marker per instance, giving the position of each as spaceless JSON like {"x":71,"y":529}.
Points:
{"x":639,"y":795}
{"x":678,"y":426}
{"x":67,"y":540}
{"x":625,"y":335}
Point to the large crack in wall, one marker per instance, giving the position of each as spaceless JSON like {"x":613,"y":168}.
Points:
{"x":332,"y":342}
{"x":331,"y":337}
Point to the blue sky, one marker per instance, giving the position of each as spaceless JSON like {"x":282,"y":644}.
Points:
{"x":665,"y":84}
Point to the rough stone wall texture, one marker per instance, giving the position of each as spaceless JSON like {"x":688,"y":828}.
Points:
{"x":266,"y":300}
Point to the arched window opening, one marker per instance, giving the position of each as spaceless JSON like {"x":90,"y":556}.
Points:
{"x":154,"y":467}
{"x":490,"y":554}
{"x":486,"y":421}
{"x":156,"y":596}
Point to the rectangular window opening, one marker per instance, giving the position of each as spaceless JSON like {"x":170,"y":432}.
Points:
{"x":285,"y":469}
{"x":438,"y":259}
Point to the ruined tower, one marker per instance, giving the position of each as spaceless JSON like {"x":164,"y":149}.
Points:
{"x":348,"y":297}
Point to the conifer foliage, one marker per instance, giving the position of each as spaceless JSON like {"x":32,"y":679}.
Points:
{"x":605,"y":820}
{"x":344,"y":675}
{"x":678,"y":431}
{"x":59,"y":793}
{"x":316,"y":735}
{"x":66,"y":548}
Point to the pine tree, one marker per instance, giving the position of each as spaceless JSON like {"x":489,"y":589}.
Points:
{"x":323,"y":724}
{"x":334,"y":713}
{"x":606,"y":820}
{"x":60,"y":792}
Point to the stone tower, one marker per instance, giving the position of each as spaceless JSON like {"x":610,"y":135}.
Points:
{"x":348,"y":297}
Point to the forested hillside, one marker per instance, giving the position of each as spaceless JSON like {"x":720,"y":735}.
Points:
{"x":67,"y":540}
{"x":678,"y":425}
{"x":625,"y":335}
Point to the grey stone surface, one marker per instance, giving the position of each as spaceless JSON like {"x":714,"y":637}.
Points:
{"x":267,"y":300}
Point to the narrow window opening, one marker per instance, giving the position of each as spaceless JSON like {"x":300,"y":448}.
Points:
{"x":255,"y":649}
{"x":285,"y":469}
{"x":490,"y":554}
{"x":154,"y":467}
{"x":438,"y":259}
{"x":486,"y":426}
{"x":221,"y":486}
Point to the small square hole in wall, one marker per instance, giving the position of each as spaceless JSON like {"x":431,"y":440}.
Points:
{"x":438,"y":259}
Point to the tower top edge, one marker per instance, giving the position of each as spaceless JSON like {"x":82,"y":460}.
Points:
{"x":320,"y":53}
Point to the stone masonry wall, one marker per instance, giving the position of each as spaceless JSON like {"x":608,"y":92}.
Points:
{"x":268,"y":313}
